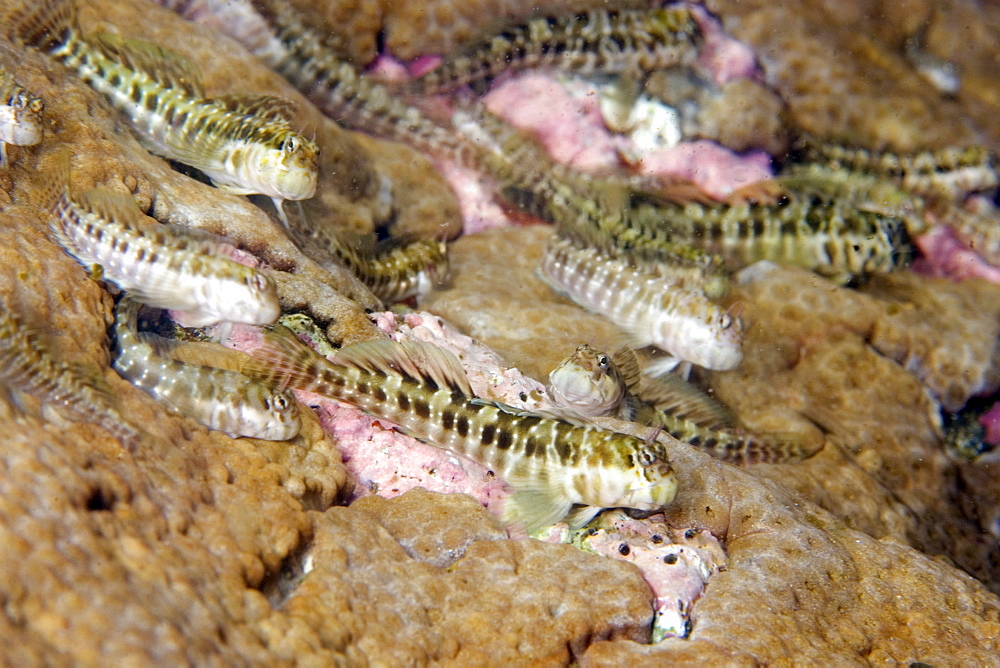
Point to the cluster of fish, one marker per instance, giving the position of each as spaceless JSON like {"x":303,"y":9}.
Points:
{"x":244,"y":145}
{"x":593,"y":384}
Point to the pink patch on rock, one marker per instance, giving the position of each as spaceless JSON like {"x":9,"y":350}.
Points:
{"x":725,"y":57}
{"x":475,"y":193}
{"x":991,"y":423}
{"x":946,"y":256}
{"x":714,"y":169}
{"x":387,"y":69}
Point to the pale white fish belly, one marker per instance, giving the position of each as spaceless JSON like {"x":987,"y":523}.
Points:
{"x":656,"y":311}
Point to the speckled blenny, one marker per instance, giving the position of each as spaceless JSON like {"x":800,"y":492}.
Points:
{"x":551,"y":464}
{"x":604,"y":41}
{"x":244,"y":145}
{"x":217,"y":398}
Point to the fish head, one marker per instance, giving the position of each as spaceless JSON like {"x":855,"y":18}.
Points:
{"x":706,"y":335}
{"x":249,"y":297}
{"x":21,"y":121}
{"x":285,"y":167}
{"x":270,"y":415}
{"x":651,"y":482}
{"x":585,"y":381}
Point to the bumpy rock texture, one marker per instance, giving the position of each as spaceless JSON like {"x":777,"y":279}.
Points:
{"x":195,"y":547}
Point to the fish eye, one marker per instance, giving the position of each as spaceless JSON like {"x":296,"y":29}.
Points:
{"x":726,"y":322}
{"x":278,"y":402}
{"x":603,"y":362}
{"x":257,"y":281}
{"x":646,"y":458}
{"x":291,"y":145}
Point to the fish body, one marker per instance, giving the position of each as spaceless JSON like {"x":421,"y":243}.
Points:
{"x":243,"y":146}
{"x":831,"y":237}
{"x":590,"y":383}
{"x":160,"y":266}
{"x":299,"y":49}
{"x":26,"y":365}
{"x":394,"y":273}
{"x":20,"y":116}
{"x":551,"y":464}
{"x":217,"y":398}
{"x":599,"y":41}
{"x":950,"y":173}
{"x":653,"y":310}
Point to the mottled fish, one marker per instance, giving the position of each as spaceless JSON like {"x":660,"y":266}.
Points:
{"x":28,"y":366}
{"x":217,"y":398}
{"x":590,"y":383}
{"x":654,"y":311}
{"x":20,"y":116}
{"x":551,"y":464}
{"x":600,"y":41}
{"x":244,"y":145}
{"x":161,"y":266}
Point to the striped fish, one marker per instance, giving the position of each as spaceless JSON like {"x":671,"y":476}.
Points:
{"x":244,"y":145}
{"x":590,"y":383}
{"x":950,"y":173}
{"x":551,"y":464}
{"x":654,"y":311}
{"x":217,"y":398}
{"x":598,"y":41}
{"x":393,"y":273}
{"x":26,"y":365}
{"x":172,"y":269}
{"x":831,"y":237}
{"x":20,"y":116}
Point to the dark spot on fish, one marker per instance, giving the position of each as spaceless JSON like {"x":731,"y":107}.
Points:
{"x":562,"y":449}
{"x":403,"y":401}
{"x":448,"y":419}
{"x":624,"y":550}
{"x":116,"y":80}
{"x":363,"y":387}
{"x":504,"y":440}
{"x":523,"y":396}
{"x":379,"y":394}
{"x":135,"y":93}
{"x":486,"y":438}
{"x":422,"y":409}
{"x":462,"y":425}
{"x":531,"y":447}
{"x":670,"y":559}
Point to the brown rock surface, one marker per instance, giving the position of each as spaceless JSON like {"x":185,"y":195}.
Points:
{"x":197,"y":548}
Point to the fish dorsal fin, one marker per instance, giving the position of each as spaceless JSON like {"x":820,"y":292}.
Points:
{"x":263,"y":106}
{"x":112,"y":206}
{"x":165,"y":67}
{"x":672,"y":394}
{"x":415,"y":359}
{"x":627,"y":363}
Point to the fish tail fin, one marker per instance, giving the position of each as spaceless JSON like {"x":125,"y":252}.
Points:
{"x":44,"y":24}
{"x":282,"y":361}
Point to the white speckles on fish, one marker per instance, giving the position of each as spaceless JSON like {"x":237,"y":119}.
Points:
{"x":654,"y":311}
{"x":107,"y":233}
{"x":26,"y":365}
{"x":589,"y":383}
{"x":551,"y":464}
{"x":244,"y":146}
{"x":597,"y":41}
{"x":20,"y":116}
{"x":217,"y":398}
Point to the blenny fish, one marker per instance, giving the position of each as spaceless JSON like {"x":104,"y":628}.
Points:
{"x":589,"y":382}
{"x":20,"y":116}
{"x":217,"y":398}
{"x":173,"y":269}
{"x":244,"y":145}
{"x":950,"y":173}
{"x":599,"y":41}
{"x":550,"y":463}
{"x":654,"y":311}
{"x":393,"y":272}
{"x":26,"y":365}
{"x":831,"y":237}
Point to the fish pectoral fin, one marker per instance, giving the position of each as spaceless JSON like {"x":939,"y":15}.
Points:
{"x":112,"y":205}
{"x":264,"y":106}
{"x":165,"y":67}
{"x":580,"y":517}
{"x":535,"y":508}
{"x":661,"y":366}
